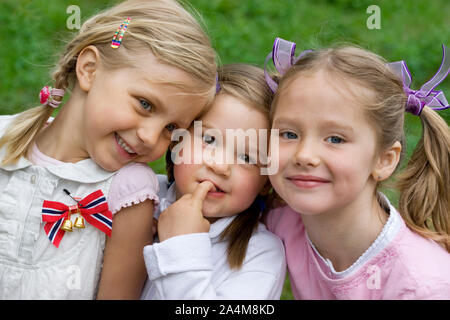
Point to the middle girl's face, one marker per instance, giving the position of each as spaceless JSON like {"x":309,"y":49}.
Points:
{"x":236,"y":184}
{"x":326,"y":148}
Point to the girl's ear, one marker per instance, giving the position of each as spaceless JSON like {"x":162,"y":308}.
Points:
{"x":87,"y":65}
{"x":387,"y":162}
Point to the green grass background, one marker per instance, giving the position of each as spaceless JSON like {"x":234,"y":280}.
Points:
{"x":33,"y":31}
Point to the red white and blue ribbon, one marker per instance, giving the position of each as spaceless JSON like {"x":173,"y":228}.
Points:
{"x":93,"y":208}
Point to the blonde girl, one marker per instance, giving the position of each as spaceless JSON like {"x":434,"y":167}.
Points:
{"x":136,"y":72}
{"x":340,"y":117}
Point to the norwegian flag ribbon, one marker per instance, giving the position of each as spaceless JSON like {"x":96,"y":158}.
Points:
{"x":93,"y":208}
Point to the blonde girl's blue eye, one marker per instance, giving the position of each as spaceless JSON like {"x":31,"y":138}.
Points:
{"x":335,"y":140}
{"x":289,"y":135}
{"x":145,"y":105}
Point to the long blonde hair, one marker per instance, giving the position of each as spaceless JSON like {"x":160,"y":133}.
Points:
{"x":424,"y":201}
{"x":165,"y":27}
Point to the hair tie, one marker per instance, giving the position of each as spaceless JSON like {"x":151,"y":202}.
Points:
{"x":48,"y":94}
{"x":217,"y":83}
{"x":283,"y":57}
{"x":426,"y":95}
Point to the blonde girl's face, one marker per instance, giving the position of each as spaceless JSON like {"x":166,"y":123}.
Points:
{"x":326,"y":146}
{"x":236,"y":184}
{"x":130,"y":113}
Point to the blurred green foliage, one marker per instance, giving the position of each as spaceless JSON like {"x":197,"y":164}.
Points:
{"x":34,"y":31}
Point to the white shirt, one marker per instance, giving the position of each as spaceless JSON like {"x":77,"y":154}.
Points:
{"x":195,"y":266}
{"x":31,"y":267}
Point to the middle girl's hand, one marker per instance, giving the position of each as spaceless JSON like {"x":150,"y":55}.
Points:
{"x":185,"y":215}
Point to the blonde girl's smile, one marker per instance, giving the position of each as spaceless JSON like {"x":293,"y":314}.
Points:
{"x":124,"y":148}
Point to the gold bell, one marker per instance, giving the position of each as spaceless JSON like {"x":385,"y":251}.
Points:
{"x":67,"y":225}
{"x":79,"y":223}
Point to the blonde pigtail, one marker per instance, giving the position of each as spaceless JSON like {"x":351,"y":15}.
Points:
{"x":20,"y":135}
{"x":424,"y":195}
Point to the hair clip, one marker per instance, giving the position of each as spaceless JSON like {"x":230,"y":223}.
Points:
{"x":426,"y":95}
{"x":217,"y":83}
{"x":283,"y":57}
{"x":115,"y":43}
{"x":48,"y":94}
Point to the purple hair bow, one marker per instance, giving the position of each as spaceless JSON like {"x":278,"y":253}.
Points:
{"x":283,"y":57}
{"x":217,"y":83}
{"x":426,"y":95}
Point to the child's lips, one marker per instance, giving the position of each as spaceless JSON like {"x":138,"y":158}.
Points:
{"x":124,"y":148}
{"x":308,"y":178}
{"x":215,"y":189}
{"x":307,"y":181}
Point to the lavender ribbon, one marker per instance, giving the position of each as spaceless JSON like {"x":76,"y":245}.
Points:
{"x":283,"y":57}
{"x":217,"y":83}
{"x":426,"y":95}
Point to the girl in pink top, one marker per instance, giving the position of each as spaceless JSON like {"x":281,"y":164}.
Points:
{"x":340,"y":116}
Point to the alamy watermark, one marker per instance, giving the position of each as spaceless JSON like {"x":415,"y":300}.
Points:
{"x":73,"y":280}
{"x":374,"y":20}
{"x":73,"y":22}
{"x":374,"y":280}
{"x":236,"y":146}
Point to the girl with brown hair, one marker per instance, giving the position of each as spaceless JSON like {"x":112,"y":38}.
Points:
{"x":212,"y":245}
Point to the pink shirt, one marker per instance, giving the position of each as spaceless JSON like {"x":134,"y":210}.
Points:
{"x":399,"y":264}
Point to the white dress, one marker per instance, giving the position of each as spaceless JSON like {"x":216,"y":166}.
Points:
{"x":31,"y":267}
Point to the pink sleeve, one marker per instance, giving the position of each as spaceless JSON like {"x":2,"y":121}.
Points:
{"x":134,"y":183}
{"x":273,"y":218}
{"x":283,"y":221}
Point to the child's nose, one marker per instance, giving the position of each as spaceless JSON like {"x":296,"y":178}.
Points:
{"x":149,"y":136}
{"x":306,"y":154}
{"x":218,"y":166}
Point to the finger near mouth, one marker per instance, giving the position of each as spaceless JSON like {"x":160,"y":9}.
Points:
{"x":215,"y":191}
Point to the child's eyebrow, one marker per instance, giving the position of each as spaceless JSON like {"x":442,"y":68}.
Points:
{"x":150,"y":95}
{"x":323,"y":124}
{"x":208,"y":126}
{"x":285,"y":121}
{"x":336,"y":124}
{"x":249,"y":148}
